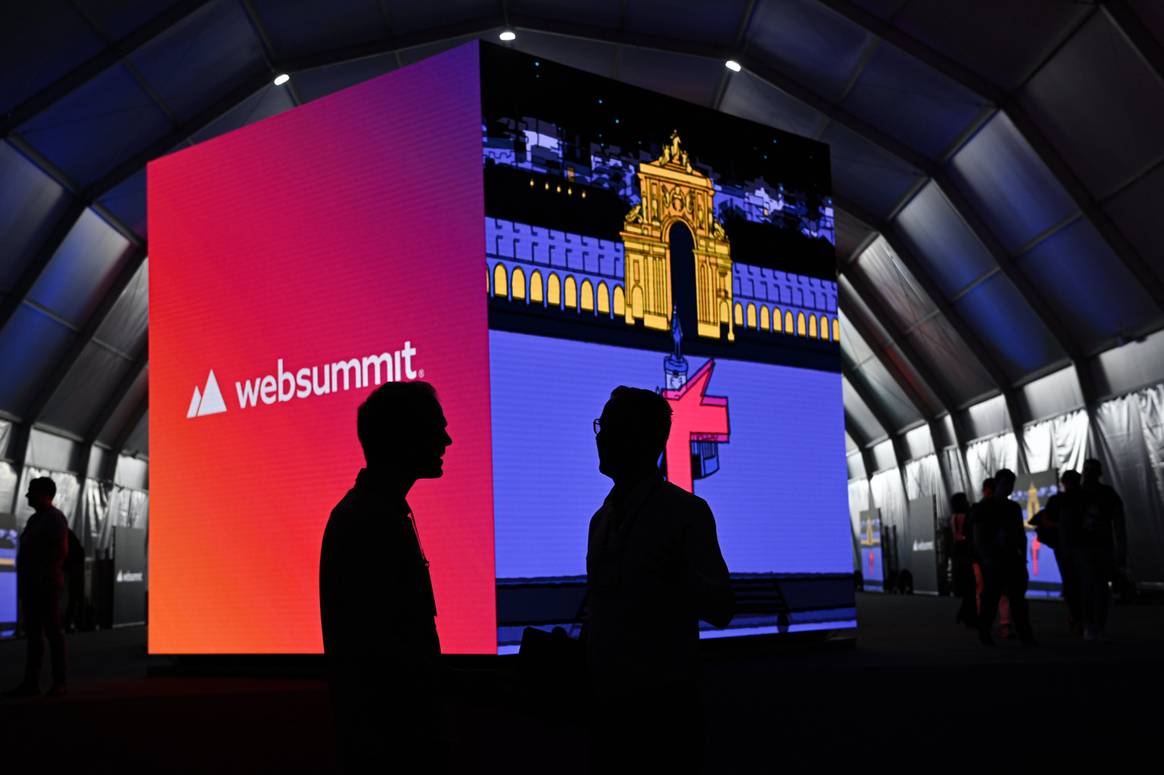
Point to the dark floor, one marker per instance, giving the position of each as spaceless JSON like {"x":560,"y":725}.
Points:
{"x":915,"y":689}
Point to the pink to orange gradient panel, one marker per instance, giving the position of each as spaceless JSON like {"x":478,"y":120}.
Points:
{"x":347,"y":231}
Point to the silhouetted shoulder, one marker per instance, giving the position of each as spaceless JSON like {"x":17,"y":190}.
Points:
{"x":686,"y":505}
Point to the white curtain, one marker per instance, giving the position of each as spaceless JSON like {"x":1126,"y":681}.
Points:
{"x":1058,"y":444}
{"x":924,"y":477}
{"x":858,"y":502}
{"x":1129,"y":438}
{"x":956,"y":471}
{"x":986,"y":456}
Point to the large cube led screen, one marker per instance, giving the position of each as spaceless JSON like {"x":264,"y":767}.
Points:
{"x":526,"y":237}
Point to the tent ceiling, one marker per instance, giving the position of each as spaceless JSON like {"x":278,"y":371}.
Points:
{"x":996,"y":165}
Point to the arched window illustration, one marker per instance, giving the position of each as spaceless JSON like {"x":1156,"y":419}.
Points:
{"x":637,"y":303}
{"x":500,"y":282}
{"x":765,"y":323}
{"x":488,"y":280}
{"x":535,"y":287}
{"x":518,"y":283}
{"x":587,"y":300}
{"x":570,"y":292}
{"x":836,"y":329}
{"x":739,"y":314}
{"x":824,"y":327}
{"x":619,"y":301}
{"x":812,"y":326}
{"x":800,"y":323}
{"x":724,"y":315}
{"x":777,"y":320}
{"x":554,"y":291}
{"x":603,"y":300}
{"x":788,"y":322}
{"x":751,"y":315}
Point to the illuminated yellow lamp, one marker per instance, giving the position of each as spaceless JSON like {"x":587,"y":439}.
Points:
{"x":569,"y":191}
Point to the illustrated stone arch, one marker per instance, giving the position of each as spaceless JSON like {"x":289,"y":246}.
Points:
{"x":671,"y":191}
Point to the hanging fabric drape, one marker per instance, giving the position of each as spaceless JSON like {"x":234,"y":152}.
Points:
{"x":858,"y":502}
{"x":1129,"y":440}
{"x":985,"y":456}
{"x":1058,"y":444}
{"x":67,"y":498}
{"x":956,"y":470}
{"x":924,"y":477}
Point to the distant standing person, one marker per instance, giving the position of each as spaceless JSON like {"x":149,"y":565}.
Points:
{"x":40,"y":579}
{"x":1100,"y":549}
{"x":375,"y":594}
{"x":962,"y":557}
{"x":1000,"y":545}
{"x":1054,"y":526}
{"x":654,"y":569}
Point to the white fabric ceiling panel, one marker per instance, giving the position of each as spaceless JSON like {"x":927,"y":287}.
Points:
{"x":123,"y":413}
{"x":86,"y":390}
{"x":30,"y":345}
{"x":881,"y":388}
{"x":1008,"y":328}
{"x":899,"y":289}
{"x":912,"y":102}
{"x":694,"y":79}
{"x":942,"y":241}
{"x":30,"y":204}
{"x":919,"y":442}
{"x":988,"y":417}
{"x":81,"y":270}
{"x":866,"y":174}
{"x":1136,"y":212}
{"x":962,"y":377}
{"x":861,"y":414}
{"x":852,"y":343}
{"x":809,"y":43}
{"x":138,"y":441}
{"x":850,"y":445}
{"x":1092,"y":294}
{"x":883,"y":456}
{"x":125,"y":324}
{"x":1008,"y":184}
{"x":1131,"y":367}
{"x":1022,"y":33}
{"x":753,"y":98}
{"x":1101,"y":105}
{"x":851,"y":235}
{"x":1053,"y":395}
{"x":849,"y":298}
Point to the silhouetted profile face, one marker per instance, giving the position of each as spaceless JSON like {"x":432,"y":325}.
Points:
{"x":632,"y":432}
{"x":1003,"y":483}
{"x":41,"y":492}
{"x":403,"y":431}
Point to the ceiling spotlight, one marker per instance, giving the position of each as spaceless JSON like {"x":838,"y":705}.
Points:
{"x":281,"y":79}
{"x":733,"y":65}
{"x":508,"y":35}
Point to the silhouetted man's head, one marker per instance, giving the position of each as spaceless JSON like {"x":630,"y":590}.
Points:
{"x":988,"y":487}
{"x":1092,"y":471}
{"x":632,"y":432}
{"x":959,"y":504}
{"x":1003,"y":483}
{"x":41,"y":492}
{"x":402,"y":430}
{"x":1069,"y":480}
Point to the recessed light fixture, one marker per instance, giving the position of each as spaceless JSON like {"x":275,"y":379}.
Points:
{"x":281,"y":79}
{"x":733,"y":65}
{"x":508,"y":35}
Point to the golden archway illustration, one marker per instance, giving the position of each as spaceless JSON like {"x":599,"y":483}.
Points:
{"x":672,"y":192}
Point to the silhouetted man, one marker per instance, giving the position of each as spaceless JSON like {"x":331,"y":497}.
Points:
{"x":1059,"y":521}
{"x":654,"y":570}
{"x":1101,"y":548}
{"x":1000,"y":545}
{"x":375,"y":594}
{"x":40,"y":579}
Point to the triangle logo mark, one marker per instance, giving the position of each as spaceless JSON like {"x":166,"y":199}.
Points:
{"x":195,"y":401}
{"x":212,"y":402}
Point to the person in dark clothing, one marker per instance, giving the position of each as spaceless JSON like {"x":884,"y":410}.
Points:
{"x":1098,"y":548}
{"x":1000,"y":545}
{"x":376,"y":601}
{"x":962,"y":557}
{"x":40,"y":578}
{"x":654,"y":569}
{"x":74,"y":582}
{"x":1062,"y":514}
